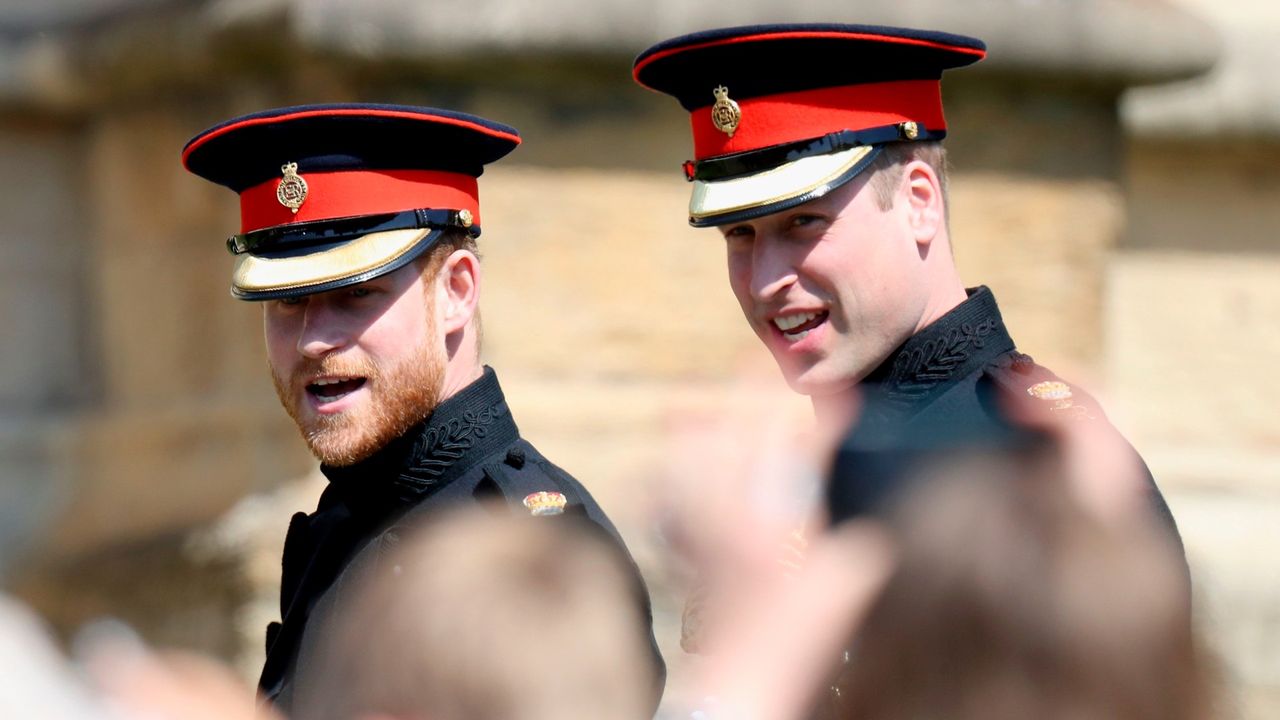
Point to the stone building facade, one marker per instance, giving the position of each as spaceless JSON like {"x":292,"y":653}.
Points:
{"x":1191,"y":324}
{"x":143,"y":444}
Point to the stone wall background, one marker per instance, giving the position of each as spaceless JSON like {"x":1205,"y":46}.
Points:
{"x":146,"y":471}
{"x":1192,"y":314}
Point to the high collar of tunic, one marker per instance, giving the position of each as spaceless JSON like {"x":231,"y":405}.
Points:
{"x":954,"y":346}
{"x":460,"y":433}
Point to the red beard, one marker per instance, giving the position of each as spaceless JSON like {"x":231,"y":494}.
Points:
{"x":400,"y":395}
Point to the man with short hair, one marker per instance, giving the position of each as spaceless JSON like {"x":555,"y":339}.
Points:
{"x":358,"y":230}
{"x":817,"y":156}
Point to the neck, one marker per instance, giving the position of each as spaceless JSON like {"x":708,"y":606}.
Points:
{"x":457,"y":377}
{"x":939,"y":305}
{"x":463,"y":366}
{"x":947,"y":291}
{"x":836,"y":409}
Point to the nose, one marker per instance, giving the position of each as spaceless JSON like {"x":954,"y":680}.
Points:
{"x":772,"y":271}
{"x":321,"y":332}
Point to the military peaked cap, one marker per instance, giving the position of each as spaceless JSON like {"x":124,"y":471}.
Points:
{"x":334,"y":195}
{"x":782,"y":114}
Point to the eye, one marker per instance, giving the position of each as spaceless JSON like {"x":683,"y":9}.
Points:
{"x":359,"y":292}
{"x":738,"y":233}
{"x":290,"y":301}
{"x":803,"y":220}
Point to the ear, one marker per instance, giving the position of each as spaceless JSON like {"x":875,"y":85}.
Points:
{"x":457,"y":291}
{"x":925,"y":211}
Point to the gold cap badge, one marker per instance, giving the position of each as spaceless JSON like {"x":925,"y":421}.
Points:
{"x":545,"y":503}
{"x":725,"y":114}
{"x":910,"y":130}
{"x":292,"y":190}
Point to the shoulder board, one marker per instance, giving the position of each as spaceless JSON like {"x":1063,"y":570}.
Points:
{"x":1017,"y":373}
{"x":529,"y":487}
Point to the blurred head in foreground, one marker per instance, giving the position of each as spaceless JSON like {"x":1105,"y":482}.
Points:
{"x":487,"y":616}
{"x":1011,"y":601}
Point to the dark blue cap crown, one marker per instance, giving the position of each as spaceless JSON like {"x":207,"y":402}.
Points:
{"x":759,"y":60}
{"x":245,"y":151}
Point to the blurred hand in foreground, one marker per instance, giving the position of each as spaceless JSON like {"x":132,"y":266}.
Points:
{"x":774,"y":593}
{"x":170,"y":685}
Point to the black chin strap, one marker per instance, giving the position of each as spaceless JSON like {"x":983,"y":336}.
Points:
{"x":326,"y":232}
{"x":754,"y":161}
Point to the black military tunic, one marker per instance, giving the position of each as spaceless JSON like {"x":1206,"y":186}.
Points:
{"x":940,"y":391}
{"x":469,"y":450}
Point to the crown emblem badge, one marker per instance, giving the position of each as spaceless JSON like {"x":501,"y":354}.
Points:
{"x":1053,"y":391}
{"x":725,"y":114}
{"x":545,"y":503}
{"x":292,"y":190}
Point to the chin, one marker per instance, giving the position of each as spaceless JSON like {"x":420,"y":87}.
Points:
{"x":816,"y":383}
{"x":820,"y":389}
{"x":340,"y":448}
{"x":340,"y":439}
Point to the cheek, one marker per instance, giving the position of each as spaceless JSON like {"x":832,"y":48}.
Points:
{"x":739,"y":267}
{"x":281,"y":339}
{"x":403,"y":326}
{"x":877,"y":290}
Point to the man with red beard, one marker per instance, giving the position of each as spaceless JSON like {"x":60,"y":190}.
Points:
{"x":358,"y":238}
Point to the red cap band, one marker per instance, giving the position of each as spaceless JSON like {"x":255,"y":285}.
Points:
{"x":791,"y":117}
{"x":332,"y":195}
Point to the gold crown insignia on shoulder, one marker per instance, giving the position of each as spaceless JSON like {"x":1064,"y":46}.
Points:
{"x":1050,"y":390}
{"x":1059,"y":393}
{"x":545,"y":502}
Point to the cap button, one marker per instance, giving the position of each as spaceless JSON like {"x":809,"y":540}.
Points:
{"x":909,"y":130}
{"x":464,"y":217}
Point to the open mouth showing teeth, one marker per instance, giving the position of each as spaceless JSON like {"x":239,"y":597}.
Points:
{"x":330,"y":389}
{"x":796,"y":326}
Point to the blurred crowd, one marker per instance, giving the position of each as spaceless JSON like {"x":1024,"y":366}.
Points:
{"x":1011,"y":579}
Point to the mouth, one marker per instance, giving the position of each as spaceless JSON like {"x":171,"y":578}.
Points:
{"x":795,"y":326}
{"x":333,"y":389}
